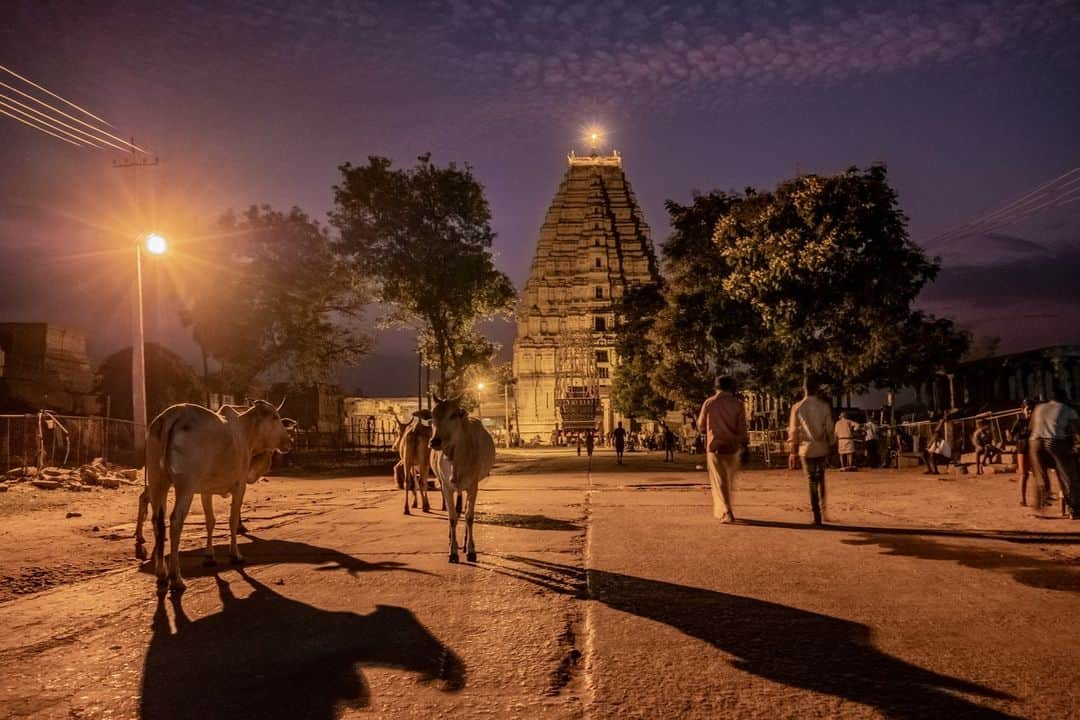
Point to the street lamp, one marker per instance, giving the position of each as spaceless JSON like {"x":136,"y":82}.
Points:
{"x":506,"y":406}
{"x":155,"y":245}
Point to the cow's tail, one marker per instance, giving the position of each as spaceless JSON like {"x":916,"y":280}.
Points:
{"x":163,"y":429}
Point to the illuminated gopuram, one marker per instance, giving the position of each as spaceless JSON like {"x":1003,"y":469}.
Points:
{"x":594,"y":245}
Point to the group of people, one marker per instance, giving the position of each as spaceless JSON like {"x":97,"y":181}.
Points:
{"x":811,"y":432}
{"x":1044,"y":436}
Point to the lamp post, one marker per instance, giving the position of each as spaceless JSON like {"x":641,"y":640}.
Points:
{"x":506,"y":407}
{"x":155,"y":245}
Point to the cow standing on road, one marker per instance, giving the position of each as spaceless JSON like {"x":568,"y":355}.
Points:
{"x":412,"y":469}
{"x":198,"y":451}
{"x":464,"y":454}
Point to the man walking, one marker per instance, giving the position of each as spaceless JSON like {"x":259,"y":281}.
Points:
{"x":1053,"y":424}
{"x":619,"y":436}
{"x":845,"y":439}
{"x":870,"y":435}
{"x":811,"y":434}
{"x":722,"y":421}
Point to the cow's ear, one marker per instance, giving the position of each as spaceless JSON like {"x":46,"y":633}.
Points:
{"x":438,"y":400}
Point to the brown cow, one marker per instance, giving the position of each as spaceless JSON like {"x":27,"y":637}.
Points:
{"x":412,"y":468}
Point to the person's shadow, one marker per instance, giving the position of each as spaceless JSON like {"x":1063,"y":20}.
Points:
{"x":268,"y":656}
{"x":786,"y":645}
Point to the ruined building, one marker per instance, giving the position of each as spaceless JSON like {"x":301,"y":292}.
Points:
{"x":594,"y":245}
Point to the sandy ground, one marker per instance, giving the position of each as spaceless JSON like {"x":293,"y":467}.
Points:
{"x":601,"y":591}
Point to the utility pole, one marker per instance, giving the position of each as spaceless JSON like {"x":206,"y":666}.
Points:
{"x":138,"y":350}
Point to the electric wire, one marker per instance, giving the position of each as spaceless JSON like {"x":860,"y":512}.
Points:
{"x":50,"y":92}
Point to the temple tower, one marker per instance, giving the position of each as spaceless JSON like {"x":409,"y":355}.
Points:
{"x":594,"y":245}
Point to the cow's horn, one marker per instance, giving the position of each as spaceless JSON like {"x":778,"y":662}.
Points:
{"x":282,"y":403}
{"x":437,"y":399}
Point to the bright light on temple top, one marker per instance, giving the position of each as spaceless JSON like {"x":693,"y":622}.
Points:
{"x":594,"y":136}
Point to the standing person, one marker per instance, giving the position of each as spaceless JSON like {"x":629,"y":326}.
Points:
{"x":579,"y":444}
{"x":722,"y":420}
{"x":590,"y":442}
{"x":669,"y":445}
{"x":1053,"y":425}
{"x":811,"y":434}
{"x":870,"y":434}
{"x":619,"y":436}
{"x":845,"y":441}
{"x":985,"y":450}
{"x":1020,"y":433}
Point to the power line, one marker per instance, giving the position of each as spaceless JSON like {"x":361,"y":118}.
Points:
{"x":50,"y":92}
{"x":1053,"y":193}
{"x":40,"y":129}
{"x":54,"y":123}
{"x":30,"y":117}
{"x":70,"y":117}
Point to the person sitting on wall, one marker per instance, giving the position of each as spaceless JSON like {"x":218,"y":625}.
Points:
{"x":985,"y":450}
{"x":938,"y":452}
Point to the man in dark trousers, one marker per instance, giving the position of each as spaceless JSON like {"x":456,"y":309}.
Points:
{"x":620,"y":442}
{"x":1053,"y":425}
{"x":590,"y":443}
{"x":669,"y":445}
{"x":811,"y":432}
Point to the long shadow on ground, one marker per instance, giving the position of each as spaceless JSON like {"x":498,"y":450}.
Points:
{"x":1013,"y":536}
{"x":525,"y":522}
{"x":783,"y":644}
{"x":266,"y":552}
{"x":268,"y":656}
{"x":1025,"y":569}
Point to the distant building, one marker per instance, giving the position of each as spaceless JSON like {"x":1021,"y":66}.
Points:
{"x":316,"y":408}
{"x":594,"y":245}
{"x":1003,"y":381}
{"x":45,"y":366}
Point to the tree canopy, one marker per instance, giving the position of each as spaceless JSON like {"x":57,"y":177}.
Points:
{"x":818,"y":275}
{"x":424,"y":235}
{"x":276,"y":295}
{"x":632,"y":390}
{"x":169,"y":380}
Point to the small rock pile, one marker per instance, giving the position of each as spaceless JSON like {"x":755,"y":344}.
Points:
{"x":83,"y":478}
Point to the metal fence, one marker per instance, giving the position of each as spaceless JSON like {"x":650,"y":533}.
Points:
{"x":48,"y":440}
{"x":360,"y":439}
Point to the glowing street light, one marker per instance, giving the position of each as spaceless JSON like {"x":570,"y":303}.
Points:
{"x":506,"y":405}
{"x":155,"y":245}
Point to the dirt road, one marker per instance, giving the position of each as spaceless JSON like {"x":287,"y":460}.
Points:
{"x":602,"y":594}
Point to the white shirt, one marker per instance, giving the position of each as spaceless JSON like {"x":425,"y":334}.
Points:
{"x":1051,"y":420}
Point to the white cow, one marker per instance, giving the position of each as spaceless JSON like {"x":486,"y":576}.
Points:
{"x":462,"y":442}
{"x":198,"y":451}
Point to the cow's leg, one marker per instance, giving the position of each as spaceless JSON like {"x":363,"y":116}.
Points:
{"x":412,"y":481}
{"x":421,"y":482}
{"x":234,"y":524}
{"x":404,"y":484}
{"x":176,"y":527}
{"x":208,"y":511}
{"x":140,"y":539}
{"x":453,"y":516}
{"x":158,"y":498}
{"x":470,"y":510}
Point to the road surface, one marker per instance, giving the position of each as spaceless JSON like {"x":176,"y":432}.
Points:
{"x":601,"y":592}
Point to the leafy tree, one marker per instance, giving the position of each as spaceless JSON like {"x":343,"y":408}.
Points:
{"x":424,"y":234}
{"x":277,"y":297}
{"x":632,"y":390}
{"x":169,"y":380}
{"x":826,"y":265}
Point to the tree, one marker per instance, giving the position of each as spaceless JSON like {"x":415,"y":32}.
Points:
{"x":169,"y":380}
{"x":632,"y":390}
{"x":827,"y":267}
{"x":424,"y":234}
{"x":277,"y":296}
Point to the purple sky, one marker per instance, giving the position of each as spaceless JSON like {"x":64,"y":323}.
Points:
{"x":971,"y":104}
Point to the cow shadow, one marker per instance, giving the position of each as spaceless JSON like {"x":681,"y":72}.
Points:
{"x":525,"y":522}
{"x":783,"y":644}
{"x":260,"y":551}
{"x":1028,"y":570}
{"x":268,"y":656}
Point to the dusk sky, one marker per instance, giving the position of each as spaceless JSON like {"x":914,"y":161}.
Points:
{"x":971,"y":104}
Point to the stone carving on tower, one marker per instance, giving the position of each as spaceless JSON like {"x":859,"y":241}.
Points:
{"x":594,"y":245}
